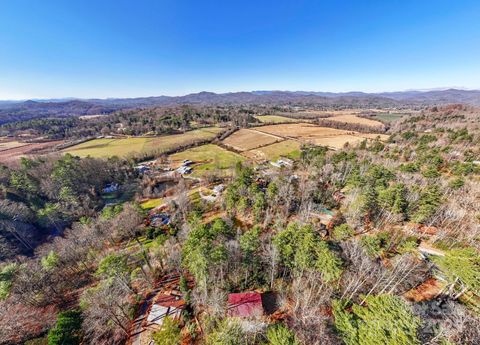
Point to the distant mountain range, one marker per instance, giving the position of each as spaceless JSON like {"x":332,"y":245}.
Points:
{"x":23,"y":110}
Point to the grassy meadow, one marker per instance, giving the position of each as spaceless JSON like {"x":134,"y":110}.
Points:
{"x":208,"y":158}
{"x":125,"y":147}
{"x":275,"y":119}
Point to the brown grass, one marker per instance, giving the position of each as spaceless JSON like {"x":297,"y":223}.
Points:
{"x":286,"y":148}
{"x":354,"y":119}
{"x":16,"y":152}
{"x":247,"y":139}
{"x":302,"y":131}
{"x":312,"y":134}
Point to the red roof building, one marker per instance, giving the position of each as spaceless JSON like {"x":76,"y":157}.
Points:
{"x":245,"y":304}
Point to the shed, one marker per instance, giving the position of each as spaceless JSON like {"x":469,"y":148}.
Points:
{"x":245,"y":304}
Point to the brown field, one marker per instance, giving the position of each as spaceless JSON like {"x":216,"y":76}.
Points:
{"x":302,"y":131}
{"x":374,"y":136}
{"x":248,"y":139}
{"x":312,"y":134}
{"x":338,"y":141}
{"x":286,"y":148}
{"x":8,"y":145}
{"x":354,"y":119}
{"x":17,"y":151}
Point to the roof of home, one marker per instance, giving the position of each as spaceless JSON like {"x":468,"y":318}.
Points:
{"x":165,"y":305}
{"x":245,"y":304}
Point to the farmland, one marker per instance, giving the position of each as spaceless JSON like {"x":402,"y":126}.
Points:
{"x":208,"y":158}
{"x":389,"y":117}
{"x":275,"y":119}
{"x":14,"y":150}
{"x":125,"y":147}
{"x":151,"y":203}
{"x":312,"y":134}
{"x":287,"y":148}
{"x":302,"y":131}
{"x":7,"y":145}
{"x":354,"y":119}
{"x":247,"y":139}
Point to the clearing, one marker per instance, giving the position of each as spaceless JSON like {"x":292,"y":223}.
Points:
{"x":124,"y":147}
{"x":247,"y":139}
{"x":316,"y":135}
{"x":275,"y":119}
{"x":7,"y":145}
{"x":152,"y":203}
{"x":389,"y":117}
{"x":208,"y":158}
{"x":354,"y":119}
{"x":14,"y":150}
{"x":286,"y":148}
{"x":302,"y":131}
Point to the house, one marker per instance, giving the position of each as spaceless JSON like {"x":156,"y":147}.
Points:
{"x":284,"y":162}
{"x":218,"y":188}
{"x":245,"y":304}
{"x":110,"y":188}
{"x":184,"y":170}
{"x":159,"y":219}
{"x":165,"y":305}
{"x":142,"y":169}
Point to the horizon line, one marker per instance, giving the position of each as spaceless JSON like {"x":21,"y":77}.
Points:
{"x":70,"y":98}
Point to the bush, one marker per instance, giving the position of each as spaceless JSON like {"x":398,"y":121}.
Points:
{"x":227,"y":332}
{"x":67,"y":330}
{"x":342,"y":232}
{"x":169,"y":334}
{"x":6,"y":276}
{"x":280,"y":335}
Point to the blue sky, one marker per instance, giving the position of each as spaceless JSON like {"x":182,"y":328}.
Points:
{"x":121,"y":48}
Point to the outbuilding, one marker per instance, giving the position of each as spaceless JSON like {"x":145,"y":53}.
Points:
{"x":245,"y":304}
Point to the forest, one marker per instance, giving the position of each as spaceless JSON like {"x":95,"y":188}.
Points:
{"x":374,"y":243}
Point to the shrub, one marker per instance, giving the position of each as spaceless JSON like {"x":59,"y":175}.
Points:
{"x":227,"y":332}
{"x":280,"y":335}
{"x":342,"y":232}
{"x":169,"y":334}
{"x":6,"y":276}
{"x":67,"y":330}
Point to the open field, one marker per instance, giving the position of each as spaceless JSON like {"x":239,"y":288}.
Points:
{"x":151,"y":203}
{"x":301,"y":131}
{"x":247,"y":139}
{"x":7,"y":145}
{"x":312,"y":134}
{"x":124,"y":147}
{"x":274,"y":119}
{"x":338,"y":141}
{"x":208,"y":158}
{"x":286,"y":148}
{"x":354,"y":119}
{"x":88,"y":117}
{"x":389,"y":117}
{"x":14,"y":150}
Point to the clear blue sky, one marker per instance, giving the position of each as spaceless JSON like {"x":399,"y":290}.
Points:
{"x":85,"y":48}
